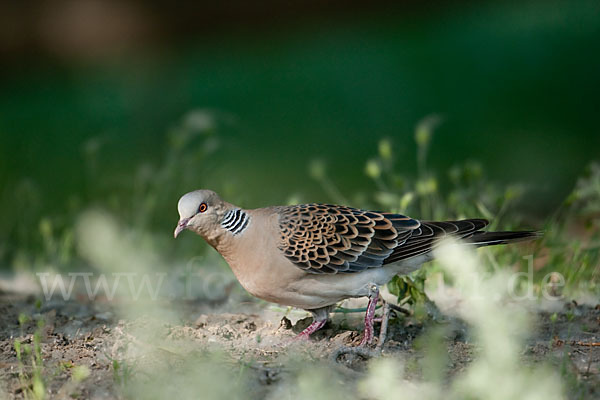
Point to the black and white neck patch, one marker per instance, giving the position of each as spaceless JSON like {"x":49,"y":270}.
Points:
{"x":235,"y":221}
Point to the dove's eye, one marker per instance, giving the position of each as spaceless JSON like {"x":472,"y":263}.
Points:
{"x":203,"y":207}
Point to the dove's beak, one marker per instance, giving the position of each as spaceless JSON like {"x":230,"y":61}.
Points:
{"x":181,"y":225}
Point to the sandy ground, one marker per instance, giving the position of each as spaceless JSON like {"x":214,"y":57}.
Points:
{"x":119,"y":350}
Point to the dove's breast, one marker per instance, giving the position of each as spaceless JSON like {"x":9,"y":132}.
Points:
{"x":256,"y":261}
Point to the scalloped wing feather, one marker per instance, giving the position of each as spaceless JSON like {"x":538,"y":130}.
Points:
{"x":325,"y":238}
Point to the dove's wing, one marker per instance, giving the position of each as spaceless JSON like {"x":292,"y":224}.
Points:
{"x":323,"y":238}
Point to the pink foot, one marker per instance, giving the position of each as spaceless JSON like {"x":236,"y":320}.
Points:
{"x":369,"y":316}
{"x":312,"y":328}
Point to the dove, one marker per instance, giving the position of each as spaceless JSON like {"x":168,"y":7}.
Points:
{"x":312,"y":256}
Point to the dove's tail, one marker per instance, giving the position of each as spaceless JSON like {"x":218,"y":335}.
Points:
{"x":426,"y":237}
{"x":491,"y":238}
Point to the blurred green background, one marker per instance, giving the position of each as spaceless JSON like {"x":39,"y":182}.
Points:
{"x":95,"y":102}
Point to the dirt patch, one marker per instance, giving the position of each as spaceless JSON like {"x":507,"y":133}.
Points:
{"x":119,"y":352}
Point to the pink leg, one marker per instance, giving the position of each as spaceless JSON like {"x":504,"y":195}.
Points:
{"x":369,"y":315}
{"x":312,"y":328}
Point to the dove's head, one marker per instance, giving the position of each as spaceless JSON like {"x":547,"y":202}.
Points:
{"x":200,"y":211}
